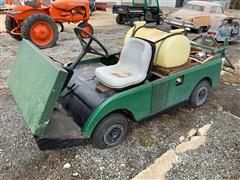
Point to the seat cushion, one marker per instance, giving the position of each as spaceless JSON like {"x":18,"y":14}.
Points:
{"x":132,"y":67}
{"x":114,"y":77}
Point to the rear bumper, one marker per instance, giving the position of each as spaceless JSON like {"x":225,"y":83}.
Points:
{"x":178,"y":24}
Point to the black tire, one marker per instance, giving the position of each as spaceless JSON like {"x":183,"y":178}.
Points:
{"x":200,"y":94}
{"x":120,"y":19}
{"x":59,"y":26}
{"x":174,"y":27}
{"x":200,"y":30}
{"x":10,"y":25}
{"x":111,"y":131}
{"x":133,"y":20}
{"x":160,"y":21}
{"x":35,"y":18}
{"x":85,"y":24}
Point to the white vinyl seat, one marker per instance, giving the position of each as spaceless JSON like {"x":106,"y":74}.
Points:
{"x":132,"y":67}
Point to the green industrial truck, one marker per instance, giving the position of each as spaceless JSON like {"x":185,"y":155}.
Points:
{"x":93,"y":99}
{"x":147,"y":10}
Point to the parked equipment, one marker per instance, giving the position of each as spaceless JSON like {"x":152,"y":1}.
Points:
{"x":40,"y":23}
{"x":94,"y":98}
{"x":229,"y":29}
{"x":196,"y":15}
{"x":146,"y":10}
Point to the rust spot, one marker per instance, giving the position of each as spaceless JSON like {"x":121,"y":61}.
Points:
{"x":121,"y":74}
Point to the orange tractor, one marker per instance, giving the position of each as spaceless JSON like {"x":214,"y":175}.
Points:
{"x":41,"y":23}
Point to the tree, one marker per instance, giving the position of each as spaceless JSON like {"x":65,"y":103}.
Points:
{"x":235,"y":4}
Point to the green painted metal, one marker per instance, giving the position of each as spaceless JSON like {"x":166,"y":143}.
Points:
{"x":159,"y":95}
{"x":36,"y":83}
{"x":136,"y":100}
{"x":167,"y":93}
{"x":217,"y":50}
{"x":155,"y":96}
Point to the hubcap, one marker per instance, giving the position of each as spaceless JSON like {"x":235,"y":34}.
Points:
{"x":41,"y":33}
{"x":202,"y":94}
{"x":113,"y":134}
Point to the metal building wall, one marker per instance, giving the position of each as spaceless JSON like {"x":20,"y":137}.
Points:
{"x":167,"y":3}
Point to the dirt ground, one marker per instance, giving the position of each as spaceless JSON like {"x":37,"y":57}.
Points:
{"x":218,"y":159}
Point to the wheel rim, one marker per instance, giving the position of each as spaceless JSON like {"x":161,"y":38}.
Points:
{"x":202,"y":95}
{"x":87,"y":29}
{"x":41,"y":33}
{"x":113,"y":134}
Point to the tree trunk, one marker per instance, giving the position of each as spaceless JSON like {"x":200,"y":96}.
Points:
{"x":235,"y":4}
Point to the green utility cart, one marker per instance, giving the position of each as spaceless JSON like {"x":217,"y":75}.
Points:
{"x":93,"y":99}
{"x":147,"y":10}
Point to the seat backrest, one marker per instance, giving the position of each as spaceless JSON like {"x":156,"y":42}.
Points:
{"x":136,"y":55}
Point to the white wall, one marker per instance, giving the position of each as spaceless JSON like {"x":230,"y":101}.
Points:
{"x":162,"y":3}
{"x":167,"y":3}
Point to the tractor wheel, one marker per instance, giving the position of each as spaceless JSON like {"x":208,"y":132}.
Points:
{"x":10,"y":25}
{"x":200,"y":94}
{"x":60,"y":26}
{"x":111,"y":131}
{"x":87,"y":27}
{"x":41,"y":30}
{"x":120,"y":19}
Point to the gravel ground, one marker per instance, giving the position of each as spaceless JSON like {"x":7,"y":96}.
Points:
{"x":219,"y":158}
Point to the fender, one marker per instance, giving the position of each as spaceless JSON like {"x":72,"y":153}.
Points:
{"x":136,"y":100}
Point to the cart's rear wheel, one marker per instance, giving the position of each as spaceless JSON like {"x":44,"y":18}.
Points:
{"x":200,"y":94}
{"x":10,"y":24}
{"x":41,"y":30}
{"x":111,"y":131}
{"x":120,"y":19}
{"x":87,"y":27}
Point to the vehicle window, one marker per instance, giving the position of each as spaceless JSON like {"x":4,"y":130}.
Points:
{"x":193,"y":7}
{"x":152,"y":3}
{"x":139,"y":2}
{"x":219,"y":10}
{"x":213,"y":9}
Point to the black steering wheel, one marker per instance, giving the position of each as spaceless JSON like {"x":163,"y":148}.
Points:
{"x":81,"y":34}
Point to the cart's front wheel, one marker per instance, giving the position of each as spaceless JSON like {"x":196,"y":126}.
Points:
{"x":200,"y":94}
{"x":111,"y":131}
